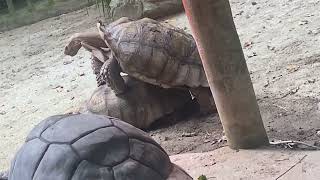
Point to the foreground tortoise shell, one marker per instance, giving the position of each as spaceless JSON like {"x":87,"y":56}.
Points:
{"x":78,"y":147}
{"x":141,"y":105}
{"x":155,"y":52}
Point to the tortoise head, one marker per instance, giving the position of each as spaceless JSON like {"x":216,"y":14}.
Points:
{"x":73,"y":46}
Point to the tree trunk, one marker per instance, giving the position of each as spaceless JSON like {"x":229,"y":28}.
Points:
{"x":227,"y":73}
{"x":10,"y":6}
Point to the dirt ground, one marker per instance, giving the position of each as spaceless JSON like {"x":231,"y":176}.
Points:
{"x":281,"y":41}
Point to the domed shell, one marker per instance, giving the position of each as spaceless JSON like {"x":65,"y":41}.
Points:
{"x":156,"y":52}
{"x":78,"y":147}
{"x":141,"y":105}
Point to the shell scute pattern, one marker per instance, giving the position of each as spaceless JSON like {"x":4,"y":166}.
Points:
{"x":157,"y":53}
{"x":106,"y":148}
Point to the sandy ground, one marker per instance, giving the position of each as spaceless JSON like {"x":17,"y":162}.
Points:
{"x":281,"y":41}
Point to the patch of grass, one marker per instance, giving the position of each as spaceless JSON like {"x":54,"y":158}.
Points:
{"x":39,"y":11}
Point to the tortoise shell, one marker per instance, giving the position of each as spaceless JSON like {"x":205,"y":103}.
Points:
{"x":141,"y":105}
{"x":78,"y":147}
{"x":155,"y":52}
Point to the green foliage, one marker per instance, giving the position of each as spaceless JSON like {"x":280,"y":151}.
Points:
{"x":202,"y":177}
{"x":51,"y":3}
{"x":104,"y":5}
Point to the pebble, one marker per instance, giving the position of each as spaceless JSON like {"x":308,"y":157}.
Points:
{"x":3,"y":112}
{"x":254,"y":3}
{"x":304,"y":22}
{"x":189,"y":134}
{"x":311,"y":80}
{"x":252,"y":55}
{"x":74,"y":86}
{"x":67,"y":62}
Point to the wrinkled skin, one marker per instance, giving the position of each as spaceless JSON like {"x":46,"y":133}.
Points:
{"x":77,"y":40}
{"x":92,"y":42}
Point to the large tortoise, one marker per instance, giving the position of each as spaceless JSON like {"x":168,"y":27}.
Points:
{"x":95,"y":147}
{"x":141,"y":105}
{"x":156,"y":53}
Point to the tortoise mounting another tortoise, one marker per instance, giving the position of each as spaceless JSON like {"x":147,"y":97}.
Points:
{"x":156,"y":53}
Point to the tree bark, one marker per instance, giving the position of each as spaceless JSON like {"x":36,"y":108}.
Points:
{"x":227,"y":73}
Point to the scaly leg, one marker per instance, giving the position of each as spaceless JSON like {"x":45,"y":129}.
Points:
{"x":110,"y":75}
{"x":205,"y":99}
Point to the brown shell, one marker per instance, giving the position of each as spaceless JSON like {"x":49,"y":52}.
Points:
{"x":156,"y":53}
{"x":141,"y":105}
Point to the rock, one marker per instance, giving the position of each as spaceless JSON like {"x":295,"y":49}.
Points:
{"x":144,"y":8}
{"x":303,"y":22}
{"x":189,"y":134}
{"x":248,"y":44}
{"x":252,"y":55}
{"x":254,"y":3}
{"x":318,"y":133}
{"x":292,"y":68}
{"x":311,"y":81}
{"x":131,"y":9}
{"x":67,"y":62}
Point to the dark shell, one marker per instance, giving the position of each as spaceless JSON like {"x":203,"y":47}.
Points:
{"x":141,"y":105}
{"x":156,"y":53}
{"x":91,"y":147}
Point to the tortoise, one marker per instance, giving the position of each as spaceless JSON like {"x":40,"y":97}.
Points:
{"x":81,"y":146}
{"x":141,"y":105}
{"x":156,"y":53}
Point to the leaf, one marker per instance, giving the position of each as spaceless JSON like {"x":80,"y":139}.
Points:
{"x":202,"y":177}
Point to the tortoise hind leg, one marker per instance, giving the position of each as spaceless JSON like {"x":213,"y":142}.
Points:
{"x":110,"y":75}
{"x":205,"y":99}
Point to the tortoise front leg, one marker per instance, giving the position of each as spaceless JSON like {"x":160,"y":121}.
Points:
{"x":96,"y":66}
{"x":110,"y":75}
